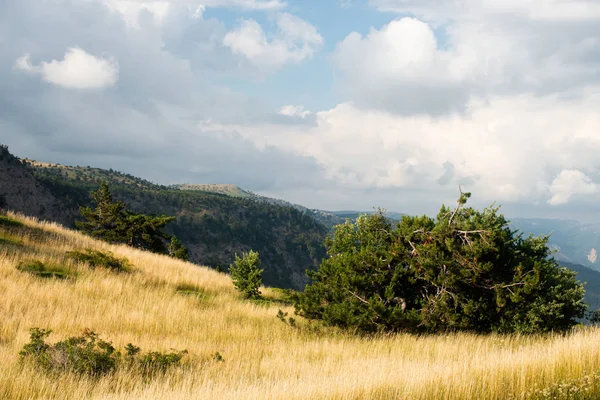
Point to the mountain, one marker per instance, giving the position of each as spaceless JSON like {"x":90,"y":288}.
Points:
{"x":574,"y":242}
{"x":592,"y":279}
{"x":213,"y":226}
{"x":20,"y":190}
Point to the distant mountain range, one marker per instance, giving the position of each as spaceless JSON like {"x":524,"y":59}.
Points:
{"x":574,"y":242}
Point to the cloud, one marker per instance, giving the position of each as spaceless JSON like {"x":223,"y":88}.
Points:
{"x":148,"y":124}
{"x":401,"y":68}
{"x":580,"y":10}
{"x":295,"y":41}
{"x":133,"y":10}
{"x":452,"y":51}
{"x":510,"y":149}
{"x":294,"y":111}
{"x":570,"y":183}
{"x":78,"y":70}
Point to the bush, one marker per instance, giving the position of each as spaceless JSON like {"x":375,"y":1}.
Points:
{"x":176,"y":249}
{"x":42,"y":270}
{"x":95,"y":258}
{"x":86,"y":354}
{"x":89,"y":355}
{"x":466,"y":270}
{"x":246,"y":275}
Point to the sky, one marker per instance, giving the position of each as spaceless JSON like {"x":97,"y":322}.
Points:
{"x":332,"y":104}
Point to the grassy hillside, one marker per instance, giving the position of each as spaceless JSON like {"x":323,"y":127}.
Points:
{"x":213,"y":226}
{"x":264,"y":358}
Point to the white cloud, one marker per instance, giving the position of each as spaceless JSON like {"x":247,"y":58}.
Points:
{"x":294,"y":111}
{"x":457,"y":50}
{"x":78,"y":70}
{"x":570,"y":183}
{"x":507,"y":149}
{"x":294,"y":41}
{"x":592,"y":256}
{"x":131,"y":10}
{"x":466,"y":9}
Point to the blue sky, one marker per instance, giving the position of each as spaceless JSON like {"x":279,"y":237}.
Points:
{"x":330,"y":104}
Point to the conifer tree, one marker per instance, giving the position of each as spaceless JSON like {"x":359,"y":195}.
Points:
{"x":466,"y":270}
{"x":110,"y":221}
{"x":246,"y":274}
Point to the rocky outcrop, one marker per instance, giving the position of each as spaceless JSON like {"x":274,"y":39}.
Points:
{"x":20,"y":191}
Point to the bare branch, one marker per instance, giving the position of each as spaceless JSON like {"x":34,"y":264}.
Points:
{"x":357,"y":296}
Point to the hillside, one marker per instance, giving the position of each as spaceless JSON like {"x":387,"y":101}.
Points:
{"x":20,"y":190}
{"x":213,"y":226}
{"x":168,"y":304}
{"x":592,"y":279}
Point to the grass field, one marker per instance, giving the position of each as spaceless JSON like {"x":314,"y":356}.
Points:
{"x":167,"y":304}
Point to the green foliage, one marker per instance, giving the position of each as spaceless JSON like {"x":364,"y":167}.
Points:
{"x":89,"y":355}
{"x":464,"y":271}
{"x":86,"y":354}
{"x":176,"y":249}
{"x":218,"y":357}
{"x":104,"y":259}
{"x":43,"y":270}
{"x":110,"y":221}
{"x":246,"y":274}
{"x":155,"y":362}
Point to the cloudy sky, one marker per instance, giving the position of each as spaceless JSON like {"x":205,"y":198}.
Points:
{"x":331,"y":104}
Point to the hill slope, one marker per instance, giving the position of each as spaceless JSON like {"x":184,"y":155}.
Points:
{"x":19,"y":190}
{"x":213,"y":226}
{"x":262,"y":356}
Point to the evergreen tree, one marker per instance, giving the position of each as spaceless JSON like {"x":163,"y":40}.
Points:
{"x":464,"y":270}
{"x":110,"y":221}
{"x":246,"y":274}
{"x":176,"y":249}
{"x":105,"y":221}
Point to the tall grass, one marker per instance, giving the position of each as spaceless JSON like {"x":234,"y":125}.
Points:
{"x":263,"y":357}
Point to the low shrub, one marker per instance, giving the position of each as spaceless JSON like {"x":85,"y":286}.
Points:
{"x":89,"y":355}
{"x":43,"y":270}
{"x":86,"y":354}
{"x":105,"y":259}
{"x":153,"y":362}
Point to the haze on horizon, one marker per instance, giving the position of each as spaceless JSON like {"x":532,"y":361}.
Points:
{"x":329,"y":104}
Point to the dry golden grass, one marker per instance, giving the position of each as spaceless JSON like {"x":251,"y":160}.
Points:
{"x":263,"y":357}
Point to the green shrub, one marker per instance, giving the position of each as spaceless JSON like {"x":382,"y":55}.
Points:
{"x":89,"y":355}
{"x":43,"y":270}
{"x":158,"y":362}
{"x":246,"y":275}
{"x":86,"y":354}
{"x":465,"y":270}
{"x":95,"y":258}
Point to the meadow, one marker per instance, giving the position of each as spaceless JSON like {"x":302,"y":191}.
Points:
{"x":239,"y":349}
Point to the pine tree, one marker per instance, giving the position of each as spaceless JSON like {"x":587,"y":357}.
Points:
{"x":246,"y":274}
{"x":176,"y":249}
{"x":110,"y":221}
{"x":105,"y":221}
{"x":466,"y":270}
